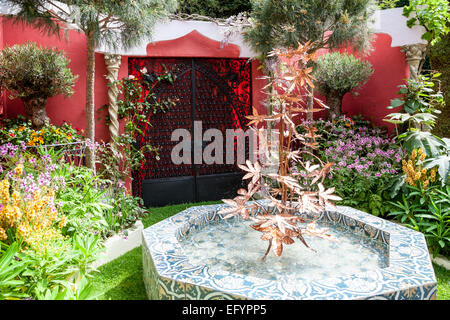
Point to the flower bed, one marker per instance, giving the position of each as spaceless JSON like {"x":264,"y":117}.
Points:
{"x":54,"y":219}
{"x":365,"y":160}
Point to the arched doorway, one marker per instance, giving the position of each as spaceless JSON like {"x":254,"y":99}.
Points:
{"x":213,"y":91}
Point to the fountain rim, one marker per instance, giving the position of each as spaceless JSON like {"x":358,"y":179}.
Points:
{"x":409,"y":270}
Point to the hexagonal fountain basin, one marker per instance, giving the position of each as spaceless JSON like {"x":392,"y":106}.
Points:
{"x":198,"y":255}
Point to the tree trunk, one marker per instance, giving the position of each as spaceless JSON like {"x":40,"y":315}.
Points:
{"x":334,"y":102}
{"x":310,"y":103}
{"x":90,"y":110}
{"x":35,"y":108}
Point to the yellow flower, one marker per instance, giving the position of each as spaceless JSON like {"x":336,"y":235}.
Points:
{"x":410,"y":169}
{"x":63,"y":222}
{"x":413,"y":154}
{"x":417,"y":176}
{"x":3,"y":235}
{"x":419,"y":151}
{"x":423,"y":156}
{"x":24,"y":230}
{"x":18,"y":170}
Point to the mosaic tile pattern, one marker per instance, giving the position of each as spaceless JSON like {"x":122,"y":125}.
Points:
{"x":168,"y":274}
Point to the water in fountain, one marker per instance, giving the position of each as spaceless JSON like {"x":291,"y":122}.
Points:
{"x":232,"y":245}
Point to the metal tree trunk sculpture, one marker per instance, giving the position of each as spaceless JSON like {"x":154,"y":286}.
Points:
{"x":282,"y":187}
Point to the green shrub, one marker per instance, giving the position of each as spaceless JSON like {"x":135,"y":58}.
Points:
{"x":214,"y":8}
{"x":440,"y":62}
{"x":34,"y":74}
{"x":338,"y":73}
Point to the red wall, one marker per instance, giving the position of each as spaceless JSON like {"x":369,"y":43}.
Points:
{"x":60,"y":108}
{"x":390,"y":70}
{"x":389,"y":64}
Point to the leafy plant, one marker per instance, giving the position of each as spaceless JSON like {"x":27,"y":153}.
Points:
{"x":83,"y":290}
{"x":125,"y":211}
{"x":82,"y":203}
{"x":427,"y":211}
{"x":34,"y":74}
{"x":433,"y":15}
{"x":338,"y":73}
{"x":438,"y":57}
{"x":442,"y":162}
{"x":10,"y":285}
{"x":420,"y":102}
{"x":419,"y":97}
{"x":87,"y":249}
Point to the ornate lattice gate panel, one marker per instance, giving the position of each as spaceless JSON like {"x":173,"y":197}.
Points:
{"x":216,"y":92}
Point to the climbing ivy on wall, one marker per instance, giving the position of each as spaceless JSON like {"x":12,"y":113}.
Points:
{"x":387,"y":4}
{"x":214,"y":8}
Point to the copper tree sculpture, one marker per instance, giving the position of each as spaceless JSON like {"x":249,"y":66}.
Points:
{"x":281,"y":187}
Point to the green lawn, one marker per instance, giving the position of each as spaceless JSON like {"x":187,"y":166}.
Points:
{"x":121,"y":279}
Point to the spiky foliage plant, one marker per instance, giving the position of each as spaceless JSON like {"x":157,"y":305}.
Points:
{"x":281,"y":187}
{"x":327,"y":24}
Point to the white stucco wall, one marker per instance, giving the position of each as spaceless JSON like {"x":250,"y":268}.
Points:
{"x":169,"y":30}
{"x":393,"y":23}
{"x":389,"y":21}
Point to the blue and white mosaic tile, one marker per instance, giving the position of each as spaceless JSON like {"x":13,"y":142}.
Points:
{"x":169,"y":273}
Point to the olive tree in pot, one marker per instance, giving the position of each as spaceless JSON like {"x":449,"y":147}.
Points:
{"x":336,"y":74}
{"x":34,"y":74}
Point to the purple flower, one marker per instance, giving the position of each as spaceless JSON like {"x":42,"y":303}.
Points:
{"x":44,"y":179}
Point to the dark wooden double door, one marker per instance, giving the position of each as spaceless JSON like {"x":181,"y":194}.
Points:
{"x":215,"y":92}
